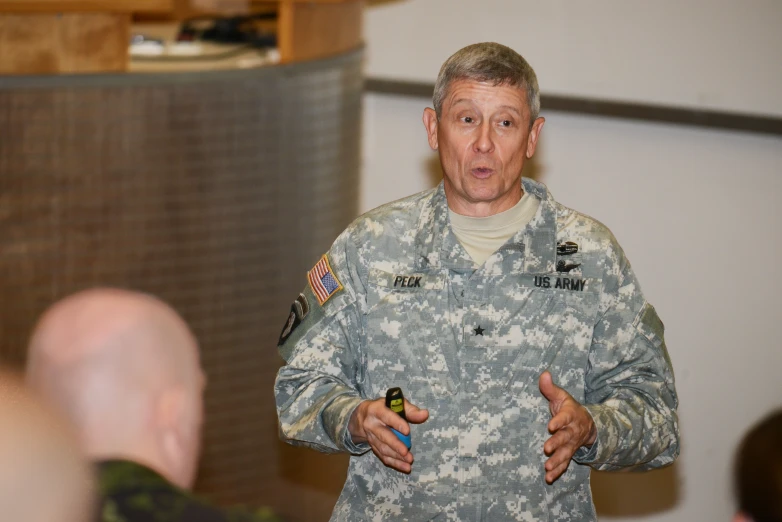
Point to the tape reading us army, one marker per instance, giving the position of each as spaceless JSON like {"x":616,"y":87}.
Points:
{"x":563,"y":283}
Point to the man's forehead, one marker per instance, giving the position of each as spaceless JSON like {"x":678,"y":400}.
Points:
{"x":519,"y":109}
{"x":498,"y":96}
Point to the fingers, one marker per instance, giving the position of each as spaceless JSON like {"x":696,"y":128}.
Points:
{"x":388,"y":448}
{"x":545,"y":380}
{"x":551,"y":391}
{"x":561,"y":448}
{"x":379,"y":419}
{"x":391,"y":419}
{"x":560,"y":454}
{"x":375,"y":421}
{"x":386,"y":443}
{"x":415,"y":414}
{"x":560,"y":420}
{"x":556,"y":470}
{"x":393,"y":462}
{"x":571,"y":428}
{"x":556,"y":441}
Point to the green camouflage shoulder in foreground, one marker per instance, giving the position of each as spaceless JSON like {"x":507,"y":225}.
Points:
{"x":133,"y":493}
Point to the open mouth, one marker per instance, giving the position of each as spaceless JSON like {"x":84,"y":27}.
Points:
{"x":482,"y":172}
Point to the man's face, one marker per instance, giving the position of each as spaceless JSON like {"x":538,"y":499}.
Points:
{"x":483,"y":137}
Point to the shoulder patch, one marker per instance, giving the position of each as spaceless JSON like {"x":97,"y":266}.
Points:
{"x":303,"y":316}
{"x":323,"y":281}
{"x":299,"y":310}
{"x":650,"y":325}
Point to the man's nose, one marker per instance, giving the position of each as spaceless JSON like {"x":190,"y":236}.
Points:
{"x":484,"y":141}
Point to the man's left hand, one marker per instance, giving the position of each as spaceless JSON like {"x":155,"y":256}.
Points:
{"x":571,"y":427}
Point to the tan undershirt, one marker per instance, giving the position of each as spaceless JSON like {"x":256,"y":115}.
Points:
{"x":482,"y":236}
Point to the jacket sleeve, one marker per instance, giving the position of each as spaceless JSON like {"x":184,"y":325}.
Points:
{"x":629,"y":385}
{"x":318,"y":388}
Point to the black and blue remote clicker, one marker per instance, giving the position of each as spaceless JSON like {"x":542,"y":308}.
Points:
{"x":395,"y":400}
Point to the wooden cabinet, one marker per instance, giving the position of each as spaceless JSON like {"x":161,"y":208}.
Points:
{"x":308,"y":30}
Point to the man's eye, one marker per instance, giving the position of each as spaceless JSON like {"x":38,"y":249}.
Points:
{"x":507,"y":123}
{"x":467,"y":119}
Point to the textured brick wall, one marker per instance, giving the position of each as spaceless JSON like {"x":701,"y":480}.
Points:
{"x":215,"y":192}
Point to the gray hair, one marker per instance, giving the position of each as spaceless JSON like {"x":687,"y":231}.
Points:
{"x":488,"y":62}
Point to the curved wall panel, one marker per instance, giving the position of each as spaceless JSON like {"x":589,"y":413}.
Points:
{"x":214,"y":191}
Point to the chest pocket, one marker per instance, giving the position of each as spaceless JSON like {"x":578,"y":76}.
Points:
{"x":559,"y":342}
{"x":405,"y":321}
{"x":531,"y":325}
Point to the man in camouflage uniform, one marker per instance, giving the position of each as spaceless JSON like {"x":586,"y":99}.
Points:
{"x":529,"y":343}
{"x":124,"y":368}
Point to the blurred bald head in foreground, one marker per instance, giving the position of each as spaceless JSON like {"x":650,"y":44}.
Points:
{"x":44,"y":477}
{"x":123,"y":367}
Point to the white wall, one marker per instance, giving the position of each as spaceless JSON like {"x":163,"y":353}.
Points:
{"x":715,"y":54}
{"x":698,"y":213}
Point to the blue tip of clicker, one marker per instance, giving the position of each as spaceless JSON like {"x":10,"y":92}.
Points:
{"x":404,"y":438}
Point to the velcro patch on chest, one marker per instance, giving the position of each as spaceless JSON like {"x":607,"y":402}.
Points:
{"x":409,"y":281}
{"x":562,"y":282}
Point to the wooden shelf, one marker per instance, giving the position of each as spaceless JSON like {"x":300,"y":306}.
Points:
{"x":85,"y":36}
{"x":306,"y":29}
{"x":85,"y":6}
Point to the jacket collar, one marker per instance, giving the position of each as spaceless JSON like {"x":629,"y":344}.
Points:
{"x":116,"y":475}
{"x":437,"y":246}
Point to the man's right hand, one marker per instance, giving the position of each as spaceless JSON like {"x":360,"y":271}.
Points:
{"x":370,"y":423}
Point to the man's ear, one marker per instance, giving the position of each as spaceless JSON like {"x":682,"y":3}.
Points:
{"x":430,"y":123}
{"x":534,"y":134}
{"x":170,"y":425}
{"x":170,"y":407}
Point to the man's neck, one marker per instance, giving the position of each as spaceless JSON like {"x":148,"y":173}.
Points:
{"x":481,"y":237}
{"x":482,"y":208}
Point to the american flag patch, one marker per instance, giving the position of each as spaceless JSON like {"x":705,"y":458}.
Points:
{"x":323,"y":280}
